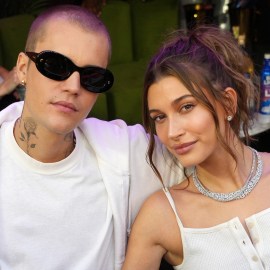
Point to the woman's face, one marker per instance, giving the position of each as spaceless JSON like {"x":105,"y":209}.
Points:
{"x":182,"y":124}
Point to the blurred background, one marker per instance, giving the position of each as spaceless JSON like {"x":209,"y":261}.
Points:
{"x":247,"y":19}
{"x":137,"y":28}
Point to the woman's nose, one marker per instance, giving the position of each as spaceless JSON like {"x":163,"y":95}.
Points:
{"x":175,"y":128}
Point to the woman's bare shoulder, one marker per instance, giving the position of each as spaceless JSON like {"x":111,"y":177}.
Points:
{"x":156,"y":202}
{"x":156,"y":208}
{"x":266,"y":162}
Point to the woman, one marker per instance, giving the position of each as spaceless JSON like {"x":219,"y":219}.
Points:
{"x":199,"y":100}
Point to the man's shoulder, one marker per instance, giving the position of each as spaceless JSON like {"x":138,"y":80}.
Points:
{"x":117,"y":127}
{"x":11,"y":112}
{"x":113,"y":136}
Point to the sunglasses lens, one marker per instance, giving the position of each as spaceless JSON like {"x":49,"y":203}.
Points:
{"x":96,"y":79}
{"x":54,"y":66}
{"x":57,"y":67}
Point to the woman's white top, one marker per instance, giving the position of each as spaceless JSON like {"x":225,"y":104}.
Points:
{"x":226,"y":246}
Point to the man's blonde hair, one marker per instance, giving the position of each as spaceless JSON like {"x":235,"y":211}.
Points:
{"x":73,"y":14}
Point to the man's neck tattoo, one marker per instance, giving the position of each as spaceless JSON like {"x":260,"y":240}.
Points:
{"x":27,"y":132}
{"x":70,"y":137}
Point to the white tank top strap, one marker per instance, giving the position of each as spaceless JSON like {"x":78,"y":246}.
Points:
{"x":171,"y":201}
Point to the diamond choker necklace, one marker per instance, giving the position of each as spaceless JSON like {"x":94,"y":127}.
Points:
{"x":241,"y":193}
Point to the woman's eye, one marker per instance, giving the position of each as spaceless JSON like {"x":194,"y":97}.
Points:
{"x":187,"y":107}
{"x":157,"y":118}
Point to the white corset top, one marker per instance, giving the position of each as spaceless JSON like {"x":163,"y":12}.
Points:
{"x":227,"y":245}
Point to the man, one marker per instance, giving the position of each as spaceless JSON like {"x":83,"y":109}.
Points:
{"x":69,"y":188}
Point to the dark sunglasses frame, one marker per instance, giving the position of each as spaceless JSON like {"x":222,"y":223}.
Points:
{"x":58,"y":67}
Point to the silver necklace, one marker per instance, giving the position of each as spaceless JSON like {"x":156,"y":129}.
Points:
{"x":241,"y":193}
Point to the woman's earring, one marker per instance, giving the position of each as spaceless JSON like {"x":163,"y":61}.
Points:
{"x":23,"y":83}
{"x":229,"y":118}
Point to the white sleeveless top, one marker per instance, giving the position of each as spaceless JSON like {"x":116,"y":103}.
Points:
{"x":226,"y":246}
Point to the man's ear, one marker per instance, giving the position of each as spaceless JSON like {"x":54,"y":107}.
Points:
{"x":22,"y":66}
{"x":231,"y":100}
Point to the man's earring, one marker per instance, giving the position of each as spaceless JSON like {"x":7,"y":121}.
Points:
{"x":229,"y":118}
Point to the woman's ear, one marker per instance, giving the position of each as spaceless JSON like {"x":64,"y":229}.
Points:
{"x":22,"y":66}
{"x":231,"y":101}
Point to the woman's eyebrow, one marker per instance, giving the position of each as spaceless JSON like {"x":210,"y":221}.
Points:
{"x":173,"y":103}
{"x":176,"y":101}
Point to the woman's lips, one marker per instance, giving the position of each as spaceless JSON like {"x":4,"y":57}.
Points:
{"x":183,"y":148}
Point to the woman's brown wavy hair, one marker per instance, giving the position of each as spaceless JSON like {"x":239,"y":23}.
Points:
{"x":205,"y":58}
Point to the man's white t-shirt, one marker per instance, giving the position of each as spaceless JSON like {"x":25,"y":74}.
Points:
{"x":53,"y":215}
